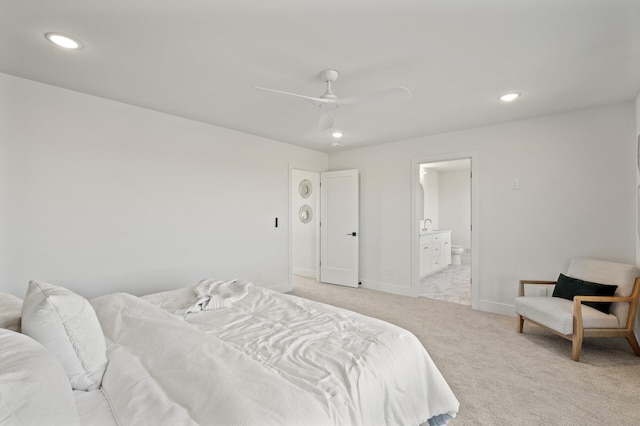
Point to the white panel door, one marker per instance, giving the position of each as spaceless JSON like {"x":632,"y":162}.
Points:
{"x":339,"y":234}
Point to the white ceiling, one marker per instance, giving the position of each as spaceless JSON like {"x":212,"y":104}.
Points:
{"x":201,"y":59}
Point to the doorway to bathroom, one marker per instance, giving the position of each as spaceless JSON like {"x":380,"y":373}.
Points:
{"x":445,"y":254}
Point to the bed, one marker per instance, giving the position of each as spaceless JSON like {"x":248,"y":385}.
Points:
{"x":265,"y":359}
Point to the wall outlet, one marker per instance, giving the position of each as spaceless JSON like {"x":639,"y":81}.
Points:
{"x":260,"y":277}
{"x":542,"y":291}
{"x":389,"y":272}
{"x":515,"y":183}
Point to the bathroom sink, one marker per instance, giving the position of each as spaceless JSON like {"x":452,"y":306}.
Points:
{"x":431,"y":231}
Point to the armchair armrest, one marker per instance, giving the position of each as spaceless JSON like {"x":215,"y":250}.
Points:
{"x":580,"y":299}
{"x":577,"y":306}
{"x":523,"y":282}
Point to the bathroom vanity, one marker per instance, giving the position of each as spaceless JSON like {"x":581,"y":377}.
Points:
{"x":435,"y":251}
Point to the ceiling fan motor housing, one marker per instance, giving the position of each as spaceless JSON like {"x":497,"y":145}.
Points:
{"x":329,"y":75}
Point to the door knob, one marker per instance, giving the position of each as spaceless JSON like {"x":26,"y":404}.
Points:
{"x":353,"y":234}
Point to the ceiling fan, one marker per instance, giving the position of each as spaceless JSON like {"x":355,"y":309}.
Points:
{"x":329,"y":102}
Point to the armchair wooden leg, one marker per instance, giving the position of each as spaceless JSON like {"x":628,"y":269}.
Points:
{"x":634,"y":343}
{"x":576,"y":346}
{"x":520,"y":323}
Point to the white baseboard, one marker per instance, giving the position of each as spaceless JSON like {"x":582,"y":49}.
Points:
{"x":389,"y":288}
{"x":309,"y":273}
{"x":281,"y":287}
{"x":496,"y":308}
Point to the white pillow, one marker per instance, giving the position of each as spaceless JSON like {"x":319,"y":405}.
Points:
{"x":10,"y":307}
{"x":66,"y":324}
{"x":34,"y":389}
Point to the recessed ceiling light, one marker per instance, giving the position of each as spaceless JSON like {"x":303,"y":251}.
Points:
{"x":508,"y":97}
{"x":63,"y":41}
{"x":336,"y":135}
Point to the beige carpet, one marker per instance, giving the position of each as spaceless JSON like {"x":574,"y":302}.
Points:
{"x":499,"y":376}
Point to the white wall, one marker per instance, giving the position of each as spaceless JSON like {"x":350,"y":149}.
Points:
{"x":455,"y":206}
{"x":305,"y":256}
{"x":637,"y":105}
{"x":101,"y":196}
{"x":430,"y":182}
{"x":576,"y":198}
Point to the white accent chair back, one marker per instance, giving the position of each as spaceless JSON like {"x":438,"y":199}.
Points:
{"x":575,"y":321}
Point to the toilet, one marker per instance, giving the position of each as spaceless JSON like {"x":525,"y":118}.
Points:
{"x":456,"y":252}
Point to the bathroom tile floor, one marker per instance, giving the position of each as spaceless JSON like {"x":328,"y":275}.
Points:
{"x":452,"y":284}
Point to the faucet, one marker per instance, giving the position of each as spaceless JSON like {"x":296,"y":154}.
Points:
{"x":424,"y":225}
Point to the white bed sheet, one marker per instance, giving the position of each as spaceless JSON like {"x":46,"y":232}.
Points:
{"x":163,"y":371}
{"x":361,"y":370}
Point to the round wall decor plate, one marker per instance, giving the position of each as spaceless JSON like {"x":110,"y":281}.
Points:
{"x":305,"y":214}
{"x":305,"y":188}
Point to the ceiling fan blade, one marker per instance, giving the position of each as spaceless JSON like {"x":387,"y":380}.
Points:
{"x":317,"y":101}
{"x":394,"y":93}
{"x":327,"y":114}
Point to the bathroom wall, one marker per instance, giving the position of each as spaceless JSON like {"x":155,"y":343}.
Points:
{"x":455,"y":206}
{"x":429,"y":181}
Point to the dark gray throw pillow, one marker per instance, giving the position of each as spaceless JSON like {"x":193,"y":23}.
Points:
{"x":567,"y":287}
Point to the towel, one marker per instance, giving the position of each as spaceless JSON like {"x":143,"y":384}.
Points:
{"x":211,"y":294}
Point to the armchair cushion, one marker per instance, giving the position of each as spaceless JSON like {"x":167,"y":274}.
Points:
{"x":567,"y":287}
{"x":605,"y":272}
{"x":557,"y":314}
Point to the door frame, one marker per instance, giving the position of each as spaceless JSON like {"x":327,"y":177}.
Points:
{"x":475,"y":218}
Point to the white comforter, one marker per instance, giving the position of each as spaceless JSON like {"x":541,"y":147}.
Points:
{"x":269,"y":359}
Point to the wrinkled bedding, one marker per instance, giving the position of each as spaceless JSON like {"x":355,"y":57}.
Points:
{"x":93,"y":408}
{"x":162,"y":371}
{"x":330,"y":366}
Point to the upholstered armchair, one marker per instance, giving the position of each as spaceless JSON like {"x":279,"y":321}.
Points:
{"x":586,"y":316}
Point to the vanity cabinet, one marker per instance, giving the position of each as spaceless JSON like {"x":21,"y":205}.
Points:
{"x":435,"y":251}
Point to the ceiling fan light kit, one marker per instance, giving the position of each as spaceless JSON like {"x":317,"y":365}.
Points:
{"x":329,"y":101}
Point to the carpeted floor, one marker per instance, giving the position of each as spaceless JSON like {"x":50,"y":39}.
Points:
{"x":502,"y":377}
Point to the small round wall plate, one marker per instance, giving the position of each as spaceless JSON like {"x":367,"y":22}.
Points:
{"x":305,"y":188}
{"x":305,"y":214}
